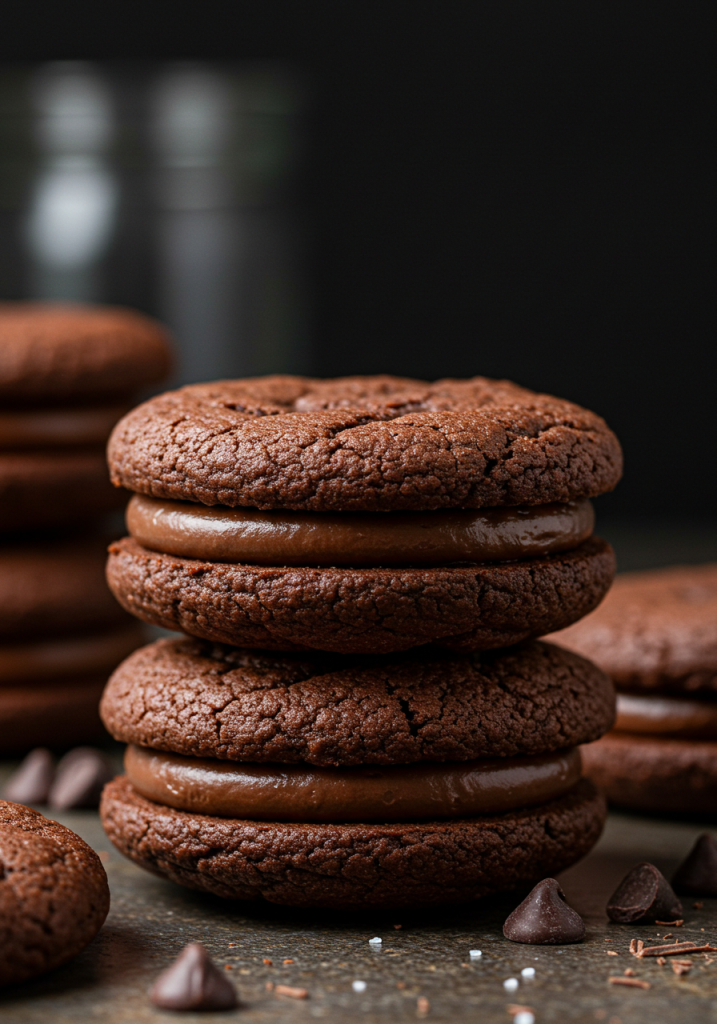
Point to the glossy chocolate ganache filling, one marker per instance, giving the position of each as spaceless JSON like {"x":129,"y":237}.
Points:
{"x":667,"y":716}
{"x":281,"y":538}
{"x":304,"y":793}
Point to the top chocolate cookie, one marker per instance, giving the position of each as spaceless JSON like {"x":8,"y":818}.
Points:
{"x":363,"y":444}
{"x":655,"y":631}
{"x":58,"y":352}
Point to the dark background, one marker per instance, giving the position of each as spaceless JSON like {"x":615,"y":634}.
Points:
{"x":511,"y":189}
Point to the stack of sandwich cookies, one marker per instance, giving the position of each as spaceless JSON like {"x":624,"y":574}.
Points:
{"x":67,"y":374}
{"x":656,"y":635}
{"x":61,"y":635}
{"x":359,"y":518}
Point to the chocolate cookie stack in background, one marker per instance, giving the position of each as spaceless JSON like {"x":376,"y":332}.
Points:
{"x":67,"y":374}
{"x":656,"y":635}
{"x":350,"y":559}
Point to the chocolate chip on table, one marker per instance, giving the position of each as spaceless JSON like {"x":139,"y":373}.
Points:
{"x":79,"y":779}
{"x":193,"y":982}
{"x":544,"y":918}
{"x":697,"y":874}
{"x":643,"y":895}
{"x":31,"y":782}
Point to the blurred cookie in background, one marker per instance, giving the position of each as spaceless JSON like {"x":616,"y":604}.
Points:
{"x":655,"y":634}
{"x":67,"y":374}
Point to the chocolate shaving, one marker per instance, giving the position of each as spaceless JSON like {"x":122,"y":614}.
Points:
{"x":630,"y":982}
{"x":680,"y":968}
{"x":293,"y":993}
{"x":675,"y":948}
{"x":672,"y":924}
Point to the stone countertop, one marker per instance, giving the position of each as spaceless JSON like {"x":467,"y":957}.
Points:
{"x":428,"y":956}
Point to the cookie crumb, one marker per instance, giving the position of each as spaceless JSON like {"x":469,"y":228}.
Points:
{"x":697,"y":906}
{"x":630,"y":982}
{"x":422,"y":1006}
{"x":611,"y":952}
{"x":672,"y":924}
{"x":287,"y":961}
{"x":267,"y":961}
{"x":291,"y":992}
{"x":629,"y":973}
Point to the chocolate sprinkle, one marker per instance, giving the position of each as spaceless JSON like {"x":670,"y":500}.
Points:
{"x":79,"y":780}
{"x":193,"y":983}
{"x":643,"y":895}
{"x":31,"y":782}
{"x":544,"y":918}
{"x":697,"y":874}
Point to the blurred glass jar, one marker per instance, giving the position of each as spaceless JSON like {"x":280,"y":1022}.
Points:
{"x":169,"y":187}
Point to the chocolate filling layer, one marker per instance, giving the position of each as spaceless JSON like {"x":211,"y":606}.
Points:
{"x":53,"y":428}
{"x":666,"y":716}
{"x":303,"y":793}
{"x":221,"y":534}
{"x":100,"y":652}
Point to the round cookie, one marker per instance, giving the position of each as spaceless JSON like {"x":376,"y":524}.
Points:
{"x":54,"y":352}
{"x":54,"y":895}
{"x":60,"y":488}
{"x":57,"y":714}
{"x":354,"y":866}
{"x":360,"y":610}
{"x":654,"y":773}
{"x":206,"y":700}
{"x":55,"y":586}
{"x":363,"y":444}
{"x":655,"y":631}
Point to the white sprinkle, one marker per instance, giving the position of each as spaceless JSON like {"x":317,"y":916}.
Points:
{"x":375,"y":941}
{"x":474,"y":954}
{"x":524,"y":1017}
{"x":528,"y":972}
{"x":358,"y":986}
{"x":510,"y":984}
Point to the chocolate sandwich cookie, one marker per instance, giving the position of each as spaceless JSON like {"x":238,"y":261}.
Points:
{"x":51,"y":587}
{"x":54,"y":895}
{"x":354,"y":865}
{"x":67,"y":374}
{"x":656,"y":635}
{"x":349,"y":610}
{"x":205,"y":700}
{"x":365,"y":514}
{"x":50,"y":688}
{"x":61,"y":353}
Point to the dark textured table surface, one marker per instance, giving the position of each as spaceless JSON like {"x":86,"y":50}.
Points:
{"x":151,"y":920}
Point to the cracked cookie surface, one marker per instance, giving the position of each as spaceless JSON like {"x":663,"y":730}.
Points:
{"x":363,"y":444}
{"x":208,"y":700}
{"x":354,"y":866}
{"x":371,"y":611}
{"x":53,"y":893}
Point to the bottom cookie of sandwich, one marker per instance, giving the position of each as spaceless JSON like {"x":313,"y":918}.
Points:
{"x":353,"y":866}
{"x":654,"y":773}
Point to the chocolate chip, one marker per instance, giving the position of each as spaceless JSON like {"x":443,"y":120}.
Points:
{"x":193,"y":983}
{"x":644,"y":894}
{"x":80,"y":778}
{"x":697,"y":874}
{"x":31,"y":783}
{"x":544,"y":918}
